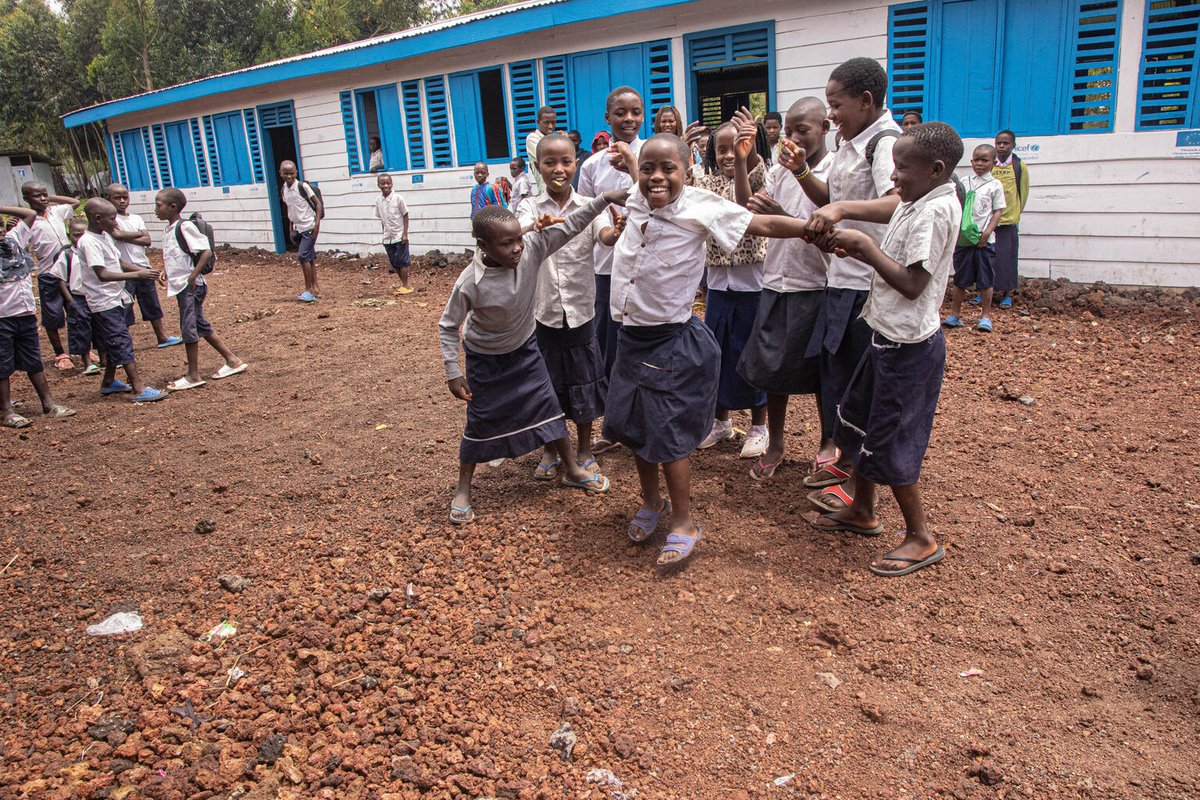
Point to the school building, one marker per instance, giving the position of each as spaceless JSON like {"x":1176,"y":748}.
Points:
{"x":1102,"y":94}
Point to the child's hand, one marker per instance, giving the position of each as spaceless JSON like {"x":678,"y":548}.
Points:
{"x":762,"y":203}
{"x":458,"y":388}
{"x":622,"y":158}
{"x":792,"y":156}
{"x":983,"y":241}
{"x":694,"y":132}
{"x":618,"y":220}
{"x":616,"y":197}
{"x":847,"y":243}
{"x":747,"y":132}
{"x":545,"y":221}
{"x":823,"y":220}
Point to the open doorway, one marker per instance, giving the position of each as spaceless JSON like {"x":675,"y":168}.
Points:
{"x":278,"y":127}
{"x":723,"y":91}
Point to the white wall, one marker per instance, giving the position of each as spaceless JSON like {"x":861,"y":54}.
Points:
{"x":1115,"y":207}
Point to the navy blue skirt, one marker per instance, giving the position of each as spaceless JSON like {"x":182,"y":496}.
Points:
{"x":730,"y":316}
{"x":606,"y":328}
{"x":663,"y":392}
{"x":1007,"y":251}
{"x":886,"y":415}
{"x":513,"y":410}
{"x":576,"y":369}
{"x":840,"y":337}
{"x":775,"y":359}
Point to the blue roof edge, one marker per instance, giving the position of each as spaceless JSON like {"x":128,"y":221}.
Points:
{"x":499,"y":26}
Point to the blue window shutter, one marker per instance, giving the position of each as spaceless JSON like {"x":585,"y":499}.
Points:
{"x":908,"y":57}
{"x":468,"y":132}
{"x":178,"y":149}
{"x":658,"y":81}
{"x":256,"y":162}
{"x":198,"y":151}
{"x":522,"y":80}
{"x":119,"y":173}
{"x":148,"y":148}
{"x":967,"y":75}
{"x":352,"y":154}
{"x":210,"y":141}
{"x":439,"y":121}
{"x":554,"y":79}
{"x":279,"y":115}
{"x":709,"y":52}
{"x":232,"y":166}
{"x":160,"y":151}
{"x":114,"y":169}
{"x":391,"y":131}
{"x":412,"y":124}
{"x":590,"y":85}
{"x":1170,"y":69}
{"x":1092,"y":71}
{"x":137,"y":179}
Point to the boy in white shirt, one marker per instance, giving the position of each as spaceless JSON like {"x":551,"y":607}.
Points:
{"x":392,"y":214}
{"x":132,"y":239}
{"x":547,"y":123}
{"x":184,"y":268}
{"x":70,"y":288}
{"x":885,"y":416}
{"x":975,"y":257}
{"x":104,"y":275}
{"x":522,"y":186}
{"x":305,"y":210}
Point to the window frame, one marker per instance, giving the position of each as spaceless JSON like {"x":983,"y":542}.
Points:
{"x":476,"y":148}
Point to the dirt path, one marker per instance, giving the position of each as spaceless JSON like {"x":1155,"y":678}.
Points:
{"x":387,"y":655}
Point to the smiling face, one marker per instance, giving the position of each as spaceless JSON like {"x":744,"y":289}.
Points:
{"x":385,"y":184}
{"x":850,"y":114}
{"x":726,"y":136}
{"x":504,"y":246}
{"x":119,"y":197}
{"x":287,"y":172}
{"x":1004,"y":146}
{"x":661,"y":172}
{"x":914,"y":175}
{"x":983,"y":159}
{"x":807,"y":128}
{"x":625,"y":116}
{"x":773,"y":129}
{"x":556,"y":164}
{"x":667,"y":122}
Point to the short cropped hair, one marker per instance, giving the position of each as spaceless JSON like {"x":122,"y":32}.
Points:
{"x":773,"y":115}
{"x":936,"y":141}
{"x":1010,"y":133}
{"x":487,"y":219}
{"x":549,"y":139}
{"x":860,"y":75}
{"x":912,"y":112}
{"x":985,"y":146}
{"x":544,"y":110}
{"x":681,"y":147}
{"x":617,"y":92}
{"x":174,"y":197}
{"x":518,"y":160}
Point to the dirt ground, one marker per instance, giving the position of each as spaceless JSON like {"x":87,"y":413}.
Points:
{"x":381,"y":653}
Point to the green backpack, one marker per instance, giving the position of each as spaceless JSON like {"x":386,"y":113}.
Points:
{"x":968,"y":232}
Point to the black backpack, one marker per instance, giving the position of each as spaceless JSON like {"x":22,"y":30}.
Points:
{"x":206,"y":229}
{"x":874,"y":142}
{"x":312,"y":195}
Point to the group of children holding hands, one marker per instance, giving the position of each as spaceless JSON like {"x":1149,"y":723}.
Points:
{"x":826,"y":273}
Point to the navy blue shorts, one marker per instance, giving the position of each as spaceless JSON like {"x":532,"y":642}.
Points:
{"x":975,"y":266}
{"x":730,"y":316}
{"x":19,"y":349}
{"x":192,"y":324}
{"x":606,"y":328}
{"x":398,"y":256}
{"x":146,"y":294}
{"x":79,"y":326}
{"x":53,"y":314}
{"x":308,"y":246}
{"x":113,"y":334}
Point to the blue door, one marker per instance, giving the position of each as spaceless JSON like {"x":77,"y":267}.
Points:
{"x":967,"y":72}
{"x":1032,"y":73}
{"x":277,"y":122}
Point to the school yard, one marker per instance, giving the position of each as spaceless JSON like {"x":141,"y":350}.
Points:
{"x":381,"y":653}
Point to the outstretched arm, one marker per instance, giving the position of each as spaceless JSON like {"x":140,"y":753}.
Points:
{"x":549,"y":240}
{"x":878,"y":210}
{"x":26,"y":215}
{"x":910,"y":280}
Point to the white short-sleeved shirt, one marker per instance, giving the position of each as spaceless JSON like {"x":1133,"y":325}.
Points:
{"x":299,"y":211}
{"x":851,"y":178}
{"x":376,"y":162}
{"x":133,"y":253}
{"x":46,"y":238}
{"x":522,"y":189}
{"x":99,"y":250}
{"x":794,"y":265}
{"x":989,"y":196}
{"x":73,"y":276}
{"x":390,"y":212}
{"x":656,"y":271}
{"x":531,"y":143}
{"x":921,"y":232}
{"x":741,"y":270}
{"x":178,"y":264}
{"x":567,"y":282}
{"x":597,"y":176}
{"x":16,"y":295}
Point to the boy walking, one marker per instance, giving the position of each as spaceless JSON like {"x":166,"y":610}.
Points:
{"x":392,"y":214}
{"x":305,"y":210}
{"x":975,"y":256}
{"x":132,"y":239}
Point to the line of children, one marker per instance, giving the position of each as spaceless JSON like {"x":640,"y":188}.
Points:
{"x":975,"y":256}
{"x":132,"y":239}
{"x":392,"y":213}
{"x":305,"y":209}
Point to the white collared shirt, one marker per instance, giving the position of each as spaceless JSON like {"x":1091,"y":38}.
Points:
{"x":794,"y":265}
{"x":989,"y":196}
{"x":46,"y":238}
{"x":597,"y":176}
{"x":522,"y":188}
{"x":741,"y":270}
{"x":659,"y":259}
{"x":99,"y":250}
{"x":177,"y":264}
{"x":850,"y":178}
{"x":133,"y":253}
{"x":390,"y":211}
{"x":531,"y":143}
{"x":301,"y":214}
{"x":72,"y":276}
{"x":566,"y":284}
{"x":921,"y":232}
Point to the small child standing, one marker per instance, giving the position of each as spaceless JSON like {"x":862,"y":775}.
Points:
{"x":547,"y":123}
{"x":511,"y":405}
{"x":184,"y":268}
{"x":392,"y":214}
{"x":1013,"y":173}
{"x":975,"y":256}
{"x":483,"y":194}
{"x":19,"y":348}
{"x":132,"y":239}
{"x":70,"y":287}
{"x":305,"y":209}
{"x":103,"y":280}
{"x":522,"y":186}
{"x":886,"y":414}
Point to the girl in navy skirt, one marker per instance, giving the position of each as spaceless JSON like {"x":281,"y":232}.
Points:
{"x":511,"y":405}
{"x":734,"y":287}
{"x":663,"y":390}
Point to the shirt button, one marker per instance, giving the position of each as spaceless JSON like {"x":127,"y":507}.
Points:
{"x":631,"y":280}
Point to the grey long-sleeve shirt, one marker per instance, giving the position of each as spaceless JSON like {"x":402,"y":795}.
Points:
{"x":494,"y":307}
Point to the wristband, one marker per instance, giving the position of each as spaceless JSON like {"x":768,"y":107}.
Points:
{"x":802,"y":175}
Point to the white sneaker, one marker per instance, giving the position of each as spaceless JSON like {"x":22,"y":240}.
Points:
{"x":756,"y":442}
{"x":721,"y":431}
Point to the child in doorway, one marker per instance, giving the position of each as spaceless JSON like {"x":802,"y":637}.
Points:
{"x":305,"y":210}
{"x":547,"y":123}
{"x":522,"y":185}
{"x":67,"y":272}
{"x":565,"y":304}
{"x":773,"y":125}
{"x":511,"y":406}
{"x":483,"y":194}
{"x":663,"y":390}
{"x":19,"y":348}
{"x":44,"y":239}
{"x":886,"y":414}
{"x":132,"y":239}
{"x":392,"y":214}
{"x":1012,"y":173}
{"x":184,"y":268}
{"x":975,"y":256}
{"x":775,"y":358}
{"x":104,"y":275}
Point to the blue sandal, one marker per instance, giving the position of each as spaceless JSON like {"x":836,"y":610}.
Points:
{"x":546,"y":472}
{"x":985,"y":325}
{"x":461,"y":516}
{"x":590,"y":465}
{"x":596,"y":483}
{"x":682,"y":545}
{"x":116,"y":387}
{"x":645,"y":522}
{"x":952,"y":322}
{"x":149,"y":395}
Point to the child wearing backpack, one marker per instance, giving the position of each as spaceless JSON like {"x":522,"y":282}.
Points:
{"x":305,"y":212}
{"x":975,"y":256}
{"x":1012,"y":173}
{"x":187,"y":256}
{"x":67,"y":272}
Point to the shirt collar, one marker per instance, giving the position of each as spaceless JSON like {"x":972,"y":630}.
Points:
{"x":884,"y":123}
{"x":574,"y":201}
{"x":478,"y":265}
{"x":941,"y":191}
{"x":1007,"y":163}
